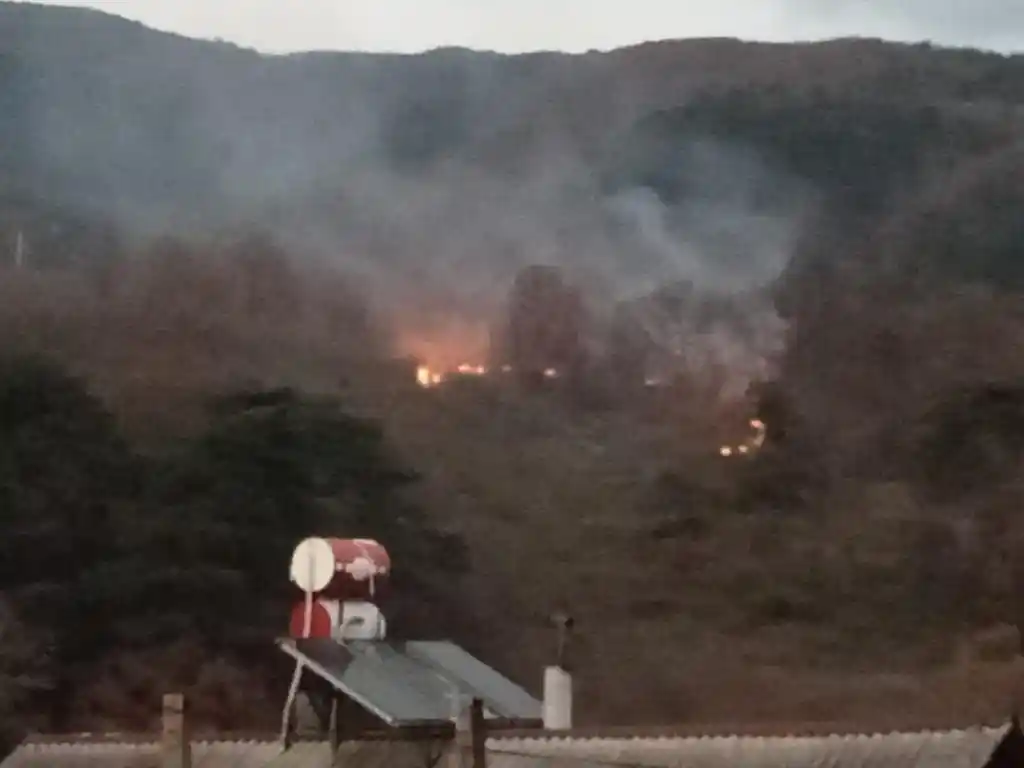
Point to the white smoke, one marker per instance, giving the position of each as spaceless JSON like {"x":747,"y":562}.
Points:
{"x":431,"y":180}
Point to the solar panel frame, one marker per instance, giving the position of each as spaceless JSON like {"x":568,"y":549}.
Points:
{"x":411,"y":684}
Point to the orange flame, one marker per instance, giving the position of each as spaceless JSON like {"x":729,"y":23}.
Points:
{"x":428,"y":377}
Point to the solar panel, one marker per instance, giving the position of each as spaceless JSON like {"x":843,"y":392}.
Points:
{"x":503,"y":697}
{"x":412,"y":683}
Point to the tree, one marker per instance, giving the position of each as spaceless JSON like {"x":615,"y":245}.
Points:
{"x":271,"y":290}
{"x":25,"y":671}
{"x":966,"y":226}
{"x":210,"y":557}
{"x":63,"y":472}
{"x":544,"y":325}
{"x":108,"y":559}
{"x":628,"y":349}
{"x":183,"y":284}
{"x":972,"y":441}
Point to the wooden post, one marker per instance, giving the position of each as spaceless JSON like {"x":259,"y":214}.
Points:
{"x":461,"y":753}
{"x":478,"y":734}
{"x":175,"y":745}
{"x":1017,"y":703}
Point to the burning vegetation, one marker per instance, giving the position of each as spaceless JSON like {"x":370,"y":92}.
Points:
{"x":428,"y":377}
{"x":659,"y":346}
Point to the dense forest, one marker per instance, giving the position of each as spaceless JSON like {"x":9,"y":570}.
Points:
{"x":219,"y":272}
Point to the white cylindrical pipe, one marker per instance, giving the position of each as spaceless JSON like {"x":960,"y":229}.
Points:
{"x":557,"y":699}
{"x":362,"y":548}
{"x":308,"y":624}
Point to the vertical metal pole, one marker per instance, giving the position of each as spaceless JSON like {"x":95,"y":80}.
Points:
{"x":373,"y":566}
{"x":289,"y":706}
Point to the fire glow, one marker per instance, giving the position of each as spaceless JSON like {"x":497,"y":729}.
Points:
{"x":428,"y":377}
{"x":749,"y":446}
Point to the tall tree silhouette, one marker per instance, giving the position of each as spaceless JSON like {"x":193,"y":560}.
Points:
{"x":544,"y":328}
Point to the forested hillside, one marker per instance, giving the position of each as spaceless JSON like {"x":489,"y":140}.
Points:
{"x":221,"y":270}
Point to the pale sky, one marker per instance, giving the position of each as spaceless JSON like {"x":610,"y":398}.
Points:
{"x":569,"y":25}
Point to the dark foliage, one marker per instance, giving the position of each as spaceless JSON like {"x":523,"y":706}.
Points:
{"x":972,"y":440}
{"x":107,"y":552}
{"x":859,"y":151}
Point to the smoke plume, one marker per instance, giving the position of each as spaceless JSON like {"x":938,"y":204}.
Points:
{"x":429,"y":180}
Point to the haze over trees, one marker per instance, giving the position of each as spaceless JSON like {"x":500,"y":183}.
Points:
{"x":215,"y":264}
{"x":544,"y":331}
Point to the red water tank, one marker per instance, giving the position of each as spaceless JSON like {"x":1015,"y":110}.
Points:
{"x":341,"y":569}
{"x":323,"y":617}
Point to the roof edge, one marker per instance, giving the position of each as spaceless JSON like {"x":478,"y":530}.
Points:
{"x":687,"y":730}
{"x":751,"y":730}
{"x":142,"y":737}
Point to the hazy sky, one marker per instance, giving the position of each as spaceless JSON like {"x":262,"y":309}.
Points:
{"x":573,"y":25}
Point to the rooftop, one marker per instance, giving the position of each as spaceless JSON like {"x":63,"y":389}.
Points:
{"x":1000,"y":746}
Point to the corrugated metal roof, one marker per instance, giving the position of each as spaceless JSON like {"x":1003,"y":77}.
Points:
{"x":507,"y":760}
{"x":205,"y":754}
{"x":225,"y":754}
{"x":312,"y":754}
{"x":967,"y":748}
{"x":412,"y":684}
{"x":390,"y":754}
{"x":958,"y":748}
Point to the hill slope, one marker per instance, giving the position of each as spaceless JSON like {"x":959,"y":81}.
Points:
{"x":344,"y":154}
{"x":421,"y":185}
